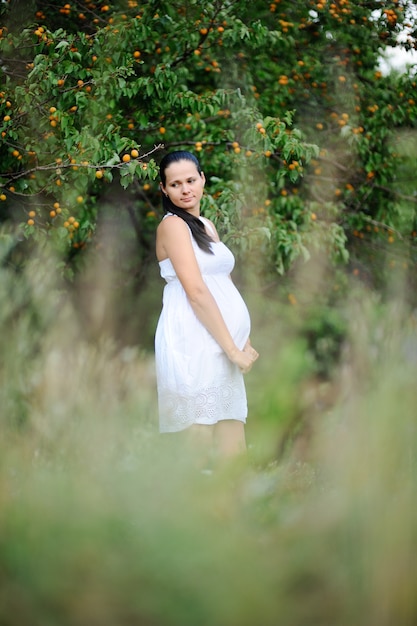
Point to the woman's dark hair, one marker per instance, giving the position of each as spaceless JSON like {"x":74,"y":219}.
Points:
{"x":196,"y":226}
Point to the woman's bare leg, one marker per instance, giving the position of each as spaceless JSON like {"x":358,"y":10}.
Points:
{"x":223,"y":442}
{"x":229,"y":439}
{"x":200,"y":442}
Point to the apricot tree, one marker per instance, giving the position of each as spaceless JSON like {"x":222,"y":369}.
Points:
{"x":94,"y":92}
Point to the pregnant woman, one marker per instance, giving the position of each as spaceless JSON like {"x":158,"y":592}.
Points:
{"x":202,"y":345}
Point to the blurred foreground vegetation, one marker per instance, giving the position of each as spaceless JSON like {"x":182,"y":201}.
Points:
{"x":103,"y":522}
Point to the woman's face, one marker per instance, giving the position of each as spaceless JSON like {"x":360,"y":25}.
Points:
{"x":184,"y":185}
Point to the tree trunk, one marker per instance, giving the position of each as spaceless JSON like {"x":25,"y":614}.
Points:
{"x":21,"y":14}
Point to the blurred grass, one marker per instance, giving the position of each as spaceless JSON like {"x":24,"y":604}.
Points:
{"x":102,"y":522}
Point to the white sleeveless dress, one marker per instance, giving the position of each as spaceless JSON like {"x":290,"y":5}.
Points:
{"x":197,"y":383}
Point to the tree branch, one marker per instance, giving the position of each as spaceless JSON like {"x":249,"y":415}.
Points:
{"x":11,"y":177}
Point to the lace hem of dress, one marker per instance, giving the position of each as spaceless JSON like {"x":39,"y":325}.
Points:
{"x":179,"y":410}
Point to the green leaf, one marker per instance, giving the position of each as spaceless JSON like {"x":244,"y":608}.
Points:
{"x":62,"y":44}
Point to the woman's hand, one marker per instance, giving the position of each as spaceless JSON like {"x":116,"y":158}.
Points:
{"x":245,"y":358}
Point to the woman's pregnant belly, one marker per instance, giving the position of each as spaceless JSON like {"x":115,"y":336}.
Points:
{"x":232,"y":307}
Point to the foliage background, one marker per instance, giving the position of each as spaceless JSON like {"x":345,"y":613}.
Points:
{"x":295,"y":126}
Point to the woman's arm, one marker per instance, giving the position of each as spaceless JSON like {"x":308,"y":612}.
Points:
{"x":174,"y":239}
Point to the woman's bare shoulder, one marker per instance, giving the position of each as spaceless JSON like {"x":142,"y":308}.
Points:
{"x":172,"y":225}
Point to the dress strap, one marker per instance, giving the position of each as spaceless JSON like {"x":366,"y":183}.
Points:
{"x":209,"y":225}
